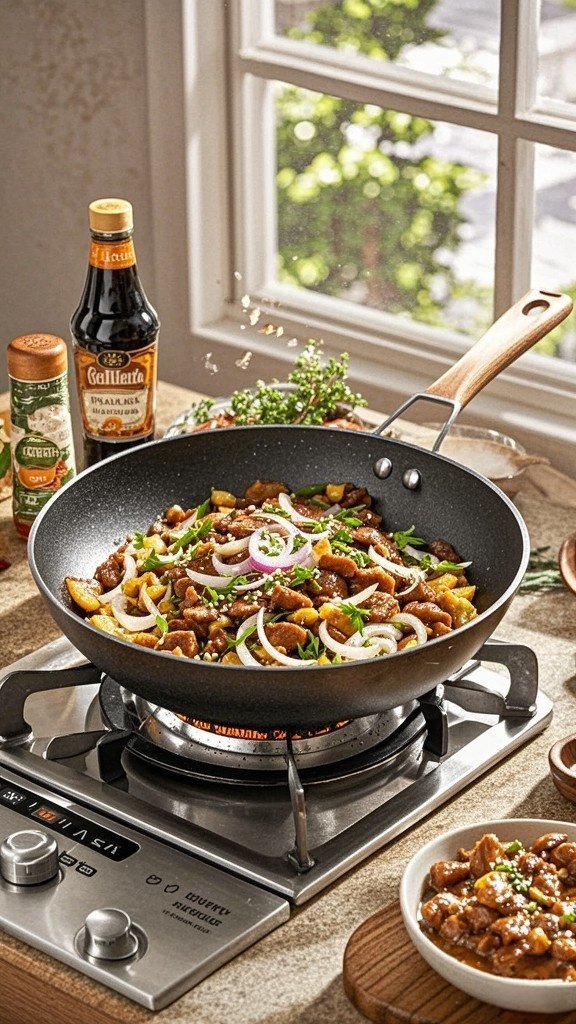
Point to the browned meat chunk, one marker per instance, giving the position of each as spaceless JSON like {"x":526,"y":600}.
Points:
{"x":506,"y":961}
{"x":200,"y":618}
{"x":184,"y":639}
{"x":440,"y":629}
{"x":157,"y":527}
{"x":498,"y":894}
{"x":564,"y":856}
{"x":454,"y":928}
{"x":331,"y":585}
{"x":242,"y":608}
{"x":485,"y":852}
{"x":369,"y":517}
{"x":445,"y":873}
{"x":284,"y":597}
{"x":512,"y":929}
{"x":286,"y":634}
{"x":444,"y":551}
{"x":175,"y":514}
{"x":383,"y":607}
{"x":218,"y":643}
{"x":177,"y":572}
{"x":428,"y":612}
{"x":242,"y":526}
{"x":547,"y":881}
{"x":178,"y":623}
{"x":549,"y":923}
{"x":564,"y":947}
{"x":339,"y":564}
{"x":355,"y":496}
{"x":479,"y":918}
{"x":437,"y":909}
{"x":110,"y":572}
{"x":548,"y":841}
{"x":420,"y":593}
{"x":185,"y":589}
{"x":260,"y":490}
{"x":190,"y":598}
{"x":366,"y":577}
{"x":367,"y":535}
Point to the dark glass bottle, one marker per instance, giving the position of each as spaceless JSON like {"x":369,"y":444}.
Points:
{"x":115,"y":333}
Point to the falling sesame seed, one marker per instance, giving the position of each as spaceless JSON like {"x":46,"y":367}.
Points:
{"x":245,"y":301}
{"x":254,"y":317}
{"x":292,"y":343}
{"x":237,"y":275}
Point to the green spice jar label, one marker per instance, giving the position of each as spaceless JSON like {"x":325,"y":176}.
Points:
{"x":41,"y":441}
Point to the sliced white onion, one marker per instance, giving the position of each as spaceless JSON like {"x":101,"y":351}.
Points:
{"x":419,"y":554}
{"x":406,"y":572}
{"x":253,"y":585}
{"x":133,"y":623}
{"x":241,"y":649}
{"x":183,"y":526}
{"x":386,"y":633}
{"x":407,"y":590}
{"x":147,"y":600}
{"x":345,"y":650}
{"x":358,"y":598}
{"x":316,"y":536}
{"x":207,"y":580}
{"x":130,"y":570}
{"x":416,"y":624}
{"x":284,"y":659}
{"x":295,"y":516}
{"x":232,"y":547}
{"x":226,"y":569}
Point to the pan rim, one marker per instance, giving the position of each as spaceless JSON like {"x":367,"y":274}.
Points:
{"x":269,"y":670}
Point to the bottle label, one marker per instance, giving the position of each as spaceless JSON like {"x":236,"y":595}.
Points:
{"x":112,"y":255}
{"x":41,"y":442}
{"x":117,"y":392}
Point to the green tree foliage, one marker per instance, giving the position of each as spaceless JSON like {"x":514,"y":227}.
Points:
{"x":360,"y":200}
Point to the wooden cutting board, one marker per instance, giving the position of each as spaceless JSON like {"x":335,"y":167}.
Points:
{"x":389,"y":982}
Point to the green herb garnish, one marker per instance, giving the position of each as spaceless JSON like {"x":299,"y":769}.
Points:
{"x":516,"y":879}
{"x":192,"y":535}
{"x":266,"y":507}
{"x":568,"y":918}
{"x":162,"y":624}
{"x":404,"y":537}
{"x":155,"y":561}
{"x":243,"y":636}
{"x":356,"y":615}
{"x":514,"y":847}
{"x":203,"y":509}
{"x":300,"y":574}
{"x":428,"y":565}
{"x":542,"y":573}
{"x":312,"y":650}
{"x":342,"y":536}
{"x":138,"y":541}
{"x":214,"y":595}
{"x":311,"y":491}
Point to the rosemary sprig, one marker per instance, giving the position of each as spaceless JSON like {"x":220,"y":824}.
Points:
{"x":542,"y":573}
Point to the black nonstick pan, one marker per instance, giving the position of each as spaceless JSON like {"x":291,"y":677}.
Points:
{"x":83,"y":523}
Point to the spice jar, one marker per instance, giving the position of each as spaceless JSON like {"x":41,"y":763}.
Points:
{"x":40,"y":425}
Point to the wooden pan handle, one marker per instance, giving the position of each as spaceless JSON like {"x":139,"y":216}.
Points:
{"x":528,"y":320}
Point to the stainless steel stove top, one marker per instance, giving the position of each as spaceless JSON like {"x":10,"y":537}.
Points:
{"x":250,"y":823}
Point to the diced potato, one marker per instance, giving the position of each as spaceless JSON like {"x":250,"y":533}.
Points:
{"x":324,"y":660}
{"x":144,"y":639}
{"x":166,"y":606}
{"x":335,"y":492}
{"x":154,"y":591}
{"x":304,"y":617}
{"x":222,"y":623}
{"x":467,"y":592}
{"x":408,"y":641}
{"x":263,"y":657}
{"x":445,"y":582}
{"x":132,"y":587}
{"x":337,"y":618}
{"x":106,"y":609}
{"x":323,"y":547}
{"x":155,"y":543}
{"x":224,"y":498}
{"x":84,"y":593}
{"x":484,"y":880}
{"x":459,"y":608}
{"x":231,"y":658}
{"x":106,"y":624}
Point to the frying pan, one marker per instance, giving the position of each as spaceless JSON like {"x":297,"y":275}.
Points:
{"x":86,"y":520}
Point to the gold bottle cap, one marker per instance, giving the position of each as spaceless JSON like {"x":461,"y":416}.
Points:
{"x":37,"y":357}
{"x":110,"y":215}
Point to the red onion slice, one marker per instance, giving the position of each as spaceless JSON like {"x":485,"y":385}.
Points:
{"x":284,"y":659}
{"x":130,"y":571}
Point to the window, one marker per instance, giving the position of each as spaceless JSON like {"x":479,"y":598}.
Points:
{"x":388,"y":175}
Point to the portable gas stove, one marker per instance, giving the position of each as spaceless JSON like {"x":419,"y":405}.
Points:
{"x":147,"y":849}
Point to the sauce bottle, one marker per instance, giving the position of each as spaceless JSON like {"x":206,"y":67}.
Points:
{"x":40,"y":425}
{"x":115,"y":332}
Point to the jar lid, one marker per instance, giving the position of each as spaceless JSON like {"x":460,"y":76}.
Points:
{"x":110,"y":215}
{"x":37,"y":357}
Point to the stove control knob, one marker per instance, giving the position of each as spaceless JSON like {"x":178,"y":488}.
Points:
{"x":29,"y":857}
{"x":108,"y":935}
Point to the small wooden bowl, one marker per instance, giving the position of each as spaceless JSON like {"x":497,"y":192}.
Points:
{"x":567,"y":562}
{"x":562,"y":761}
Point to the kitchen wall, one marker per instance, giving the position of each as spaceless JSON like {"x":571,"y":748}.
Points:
{"x":74,"y":127}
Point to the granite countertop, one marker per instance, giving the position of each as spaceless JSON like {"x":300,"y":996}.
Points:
{"x":293,"y":976}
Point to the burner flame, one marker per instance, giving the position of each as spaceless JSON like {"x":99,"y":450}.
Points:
{"x":259,"y":735}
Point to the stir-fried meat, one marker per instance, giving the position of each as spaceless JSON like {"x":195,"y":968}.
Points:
{"x":261,"y":490}
{"x":304,"y":560}
{"x":445,"y":873}
{"x":514,"y":915}
{"x":564,"y":856}
{"x":444,"y":551}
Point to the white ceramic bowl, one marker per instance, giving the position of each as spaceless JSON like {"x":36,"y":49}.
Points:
{"x":509,"y":993}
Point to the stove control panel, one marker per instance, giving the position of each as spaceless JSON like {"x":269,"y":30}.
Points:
{"x":124,"y":908}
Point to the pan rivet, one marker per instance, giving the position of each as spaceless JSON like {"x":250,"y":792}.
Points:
{"x":411,"y":479}
{"x":383,"y":468}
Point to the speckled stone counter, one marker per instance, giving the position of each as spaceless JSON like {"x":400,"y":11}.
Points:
{"x":293,"y":976}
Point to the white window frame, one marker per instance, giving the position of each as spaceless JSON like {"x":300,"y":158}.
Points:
{"x":212,"y":175}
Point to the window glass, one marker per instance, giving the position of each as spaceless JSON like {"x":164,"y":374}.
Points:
{"x":384,"y":209}
{"x":441,"y":37}
{"x":554,"y":247}
{"x":557,"y":50}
